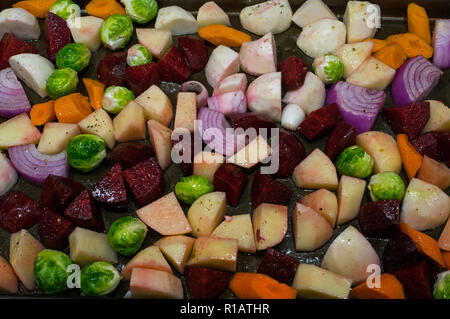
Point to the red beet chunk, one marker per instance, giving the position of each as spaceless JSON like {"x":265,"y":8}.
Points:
{"x":293,"y":73}
{"x":84,"y":213}
{"x":173,"y":66}
{"x":57,"y":34}
{"x":111,"y":190}
{"x":54,"y":230}
{"x":268,"y":190}
{"x":230,"y":179}
{"x":380,"y":218}
{"x":17,"y":211}
{"x":428,"y":144}
{"x":146,"y":181}
{"x":129,"y":154}
{"x":140,"y":78}
{"x":320,"y":122}
{"x":111,"y":69}
{"x":195,"y":51}
{"x":341,"y":137}
{"x":251,"y":120}
{"x":58,"y":192}
{"x":291,"y":153}
{"x":444,"y":145}
{"x":278,"y":265}
{"x":9,"y":46}
{"x":399,"y":251}
{"x":410,"y":119}
{"x":206,"y":283}
{"x":416,"y":280}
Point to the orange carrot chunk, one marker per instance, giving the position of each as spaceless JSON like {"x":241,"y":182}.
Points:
{"x":219,"y":34}
{"x":411,"y":158}
{"x":412,"y":45}
{"x":378,"y":44}
{"x":43,"y":113}
{"x":104,"y":8}
{"x":418,"y":22}
{"x":38,"y":8}
{"x":95,"y":90}
{"x":390,"y":288}
{"x":391,"y":55}
{"x":72,"y":108}
{"x":259,"y":286}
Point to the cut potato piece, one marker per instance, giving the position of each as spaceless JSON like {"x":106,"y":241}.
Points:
{"x":20,"y":23}
{"x":8,"y":280}
{"x":434,"y":172}
{"x":353,"y":55}
{"x":361,"y":18}
{"x":310,"y":96}
{"x":255,"y":152}
{"x":311,"y":11}
{"x":324,"y":202}
{"x":439,"y":117}
{"x":238,"y":227}
{"x":129,"y":124}
{"x":444,"y":238}
{"x":99,"y":123}
{"x":86,"y":30}
{"x":206,"y":164}
{"x":372,"y":74}
{"x":350,"y":194}
{"x":264,"y":95}
{"x":186,"y":111}
{"x":211,"y":13}
{"x":206,"y":213}
{"x":18,"y":131}
{"x":177,"y":250}
{"x":216,"y":253}
{"x":160,"y":137}
{"x":156,"y":104}
{"x":177,"y":20}
{"x":8,"y":174}
{"x":157,"y":41}
{"x":270,"y":16}
{"x":259,"y":57}
{"x":151,"y":283}
{"x":56,"y":136}
{"x":270,"y":224}
{"x":148,"y":258}
{"x":222,"y":62}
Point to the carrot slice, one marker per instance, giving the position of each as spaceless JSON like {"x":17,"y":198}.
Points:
{"x":378,"y":44}
{"x":425,"y":244}
{"x":446,"y":256}
{"x":418,"y":22}
{"x":411,"y":158}
{"x":219,"y":34}
{"x":38,"y":8}
{"x":95,"y":90}
{"x":390,"y":288}
{"x":259,"y":286}
{"x":104,"y":8}
{"x":391,"y":55}
{"x":412,"y":45}
{"x":72,"y":108}
{"x":43,"y":113}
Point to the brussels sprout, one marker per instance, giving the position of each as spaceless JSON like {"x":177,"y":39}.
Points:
{"x":116,"y":31}
{"x":74,"y":55}
{"x":353,"y":161}
{"x":99,"y":278}
{"x":62,"y":82}
{"x":192,"y":187}
{"x":116,"y":98}
{"x":126,"y":235}
{"x":50,"y":270}
{"x":66,"y":9}
{"x":141,"y":11}
{"x":137,"y":55}
{"x":329,"y":68}
{"x":442,"y":286}
{"x":85,"y":152}
{"x":386,"y":185}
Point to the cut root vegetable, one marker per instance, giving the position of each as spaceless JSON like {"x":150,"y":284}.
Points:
{"x":441,"y":44}
{"x":177,"y":20}
{"x":259,"y":57}
{"x":390,"y":288}
{"x":86,"y":30}
{"x":72,"y":108}
{"x":353,"y":55}
{"x":156,"y":41}
{"x":311,"y":11}
{"x":264,"y":95}
{"x":254,"y":153}
{"x":439,"y":117}
{"x":18,"y":131}
{"x":13,"y":99}
{"x":222,"y":62}
{"x":8,"y":175}
{"x":292,"y":116}
{"x":95,"y":90}
{"x":411,"y":158}
{"x":56,"y":136}
{"x":391,"y":55}
{"x":434,"y":172}
{"x":210,"y":13}
{"x":372,"y":74}
{"x":418,"y":22}
{"x":260,"y":286}
{"x":361,"y":19}
{"x":20,"y":23}
{"x":310,"y":96}
{"x":219,"y":34}
{"x":377,"y":44}
{"x":412,"y":45}
{"x":43,"y":113}
{"x":104,"y":8}
{"x":226,"y":103}
{"x":38,"y":8}
{"x":234,"y":82}
{"x":270,"y":16}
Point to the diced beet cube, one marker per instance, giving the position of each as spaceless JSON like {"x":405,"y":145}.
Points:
{"x":321,"y":121}
{"x":291,"y":153}
{"x":57,"y":34}
{"x":268,"y":190}
{"x":251,"y":120}
{"x":293,"y":73}
{"x":428,"y":144}
{"x":277,"y":265}
{"x":84,"y":213}
{"x":206,"y":283}
{"x":444,"y":145}
{"x":140,"y":78}
{"x":111,"y":190}
{"x":399,"y":251}
{"x":58,"y":192}
{"x":111,"y":69}
{"x":54,"y":230}
{"x":146,"y":181}
{"x":410,"y":119}
{"x":195,"y":51}
{"x":341,"y":137}
{"x":173,"y":66}
{"x":9,"y":46}
{"x":379,"y":218}
{"x":416,"y":280}
{"x":230,"y":179}
{"x":17,"y":211}
{"x":129,"y":154}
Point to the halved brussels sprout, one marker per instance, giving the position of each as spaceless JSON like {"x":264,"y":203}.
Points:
{"x":329,"y":68}
{"x":116,"y":98}
{"x":192,"y":187}
{"x":66,"y":9}
{"x":62,"y":82}
{"x":116,"y":31}
{"x":126,"y":235}
{"x":85,"y":152}
{"x":137,"y":55}
{"x":74,"y":55}
{"x":386,"y":185}
{"x":354,"y":161}
{"x":50,"y":270}
{"x":441,"y":288}
{"x":141,"y":11}
{"x":99,"y":278}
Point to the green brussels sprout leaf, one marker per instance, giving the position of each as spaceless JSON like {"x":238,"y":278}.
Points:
{"x":386,"y":185}
{"x":66,"y":9}
{"x":50,"y":269}
{"x":442,"y":286}
{"x":138,"y":55}
{"x":126,"y":235}
{"x":85,"y":152}
{"x":116,"y":31}
{"x":62,"y":82}
{"x":141,"y":11}
{"x":74,"y":55}
{"x":99,"y":278}
{"x":192,"y":187}
{"x":354,"y":161}
{"x":116,"y":98}
{"x":329,"y":68}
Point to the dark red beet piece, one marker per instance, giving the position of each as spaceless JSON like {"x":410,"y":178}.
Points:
{"x":410,"y":119}
{"x":293,"y":73}
{"x":54,"y":230}
{"x":111,"y":69}
{"x":341,"y":137}
{"x":230,"y":179}
{"x":206,"y":283}
{"x":416,"y":280}
{"x":195,"y":51}
{"x":58,"y":192}
{"x":320,"y":122}
{"x":57,"y":34}
{"x":444,"y":145}
{"x":399,"y":251}
{"x":84,"y":213}
{"x":140,"y":78}
{"x":129,"y":154}
{"x":111,"y":190}
{"x":428,"y":144}
{"x":277,"y":265}
{"x":9,"y":46}
{"x":251,"y":120}
{"x":268,"y":190}
{"x":380,"y":218}
{"x":291,"y":153}
{"x":146,"y":181}
{"x":173,"y":66}
{"x":17,"y":211}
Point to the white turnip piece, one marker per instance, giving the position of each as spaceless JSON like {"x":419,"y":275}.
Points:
{"x":234,"y":82}
{"x":20,"y":23}
{"x":259,"y":57}
{"x":293,"y":115}
{"x":353,"y":55}
{"x":441,"y":44}
{"x":177,"y":20}
{"x":311,"y":11}
{"x":231,"y":102}
{"x":264,"y":95}
{"x":362,"y":19}
{"x":270,"y":16}
{"x":8,"y":175}
{"x":211,"y":13}
{"x":86,"y":30}
{"x":222,"y":63}
{"x":310,"y":96}
{"x":372,"y":74}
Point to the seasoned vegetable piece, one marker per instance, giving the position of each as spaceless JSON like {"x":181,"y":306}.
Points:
{"x":99,"y":278}
{"x":219,"y":34}
{"x":86,"y":30}
{"x":442,"y":286}
{"x":192,"y":187}
{"x":391,"y":55}
{"x":85,"y":152}
{"x":361,"y":19}
{"x":137,"y":55}
{"x":418,"y":22}
{"x":74,"y":55}
{"x":141,"y":11}
{"x":329,"y":68}
{"x":116,"y":98}
{"x":66,"y":9}
{"x":354,"y":161}
{"x":62,"y":82}
{"x":390,"y":288}
{"x":386,"y":185}
{"x":20,"y":23}
{"x":247,"y":285}
{"x":38,"y":8}
{"x":117,"y":31}
{"x":126,"y":235}
{"x":412,"y":45}
{"x":104,"y":8}
{"x":50,"y":269}
{"x":177,"y":20}
{"x":72,"y":108}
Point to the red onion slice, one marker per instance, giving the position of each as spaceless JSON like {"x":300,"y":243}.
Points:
{"x":197,"y":88}
{"x":226,"y":103}
{"x":35,"y":166}
{"x":359,"y":106}
{"x":13,"y":100}
{"x":441,"y":44}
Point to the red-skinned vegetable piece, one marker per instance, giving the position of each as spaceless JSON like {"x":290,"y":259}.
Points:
{"x":129,"y":154}
{"x":230,"y":179}
{"x":54,"y":230}
{"x":17,"y":211}
{"x":251,"y":120}
{"x":342,"y":136}
{"x":291,"y":153}
{"x":379,"y":218}
{"x":10,"y":45}
{"x":410,"y":119}
{"x":268,"y":190}
{"x":399,"y":251}
{"x":57,"y":34}
{"x":277,"y":265}
{"x":195,"y":51}
{"x":293,"y":73}
{"x":140,"y":78}
{"x":416,"y":280}
{"x":444,"y":145}
{"x":110,"y":190}
{"x":84,"y":212}
{"x":187,"y":167}
{"x":206,"y":283}
{"x":111,"y":69}
{"x":428,"y":144}
{"x":173,"y":66}
{"x":320,"y":122}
